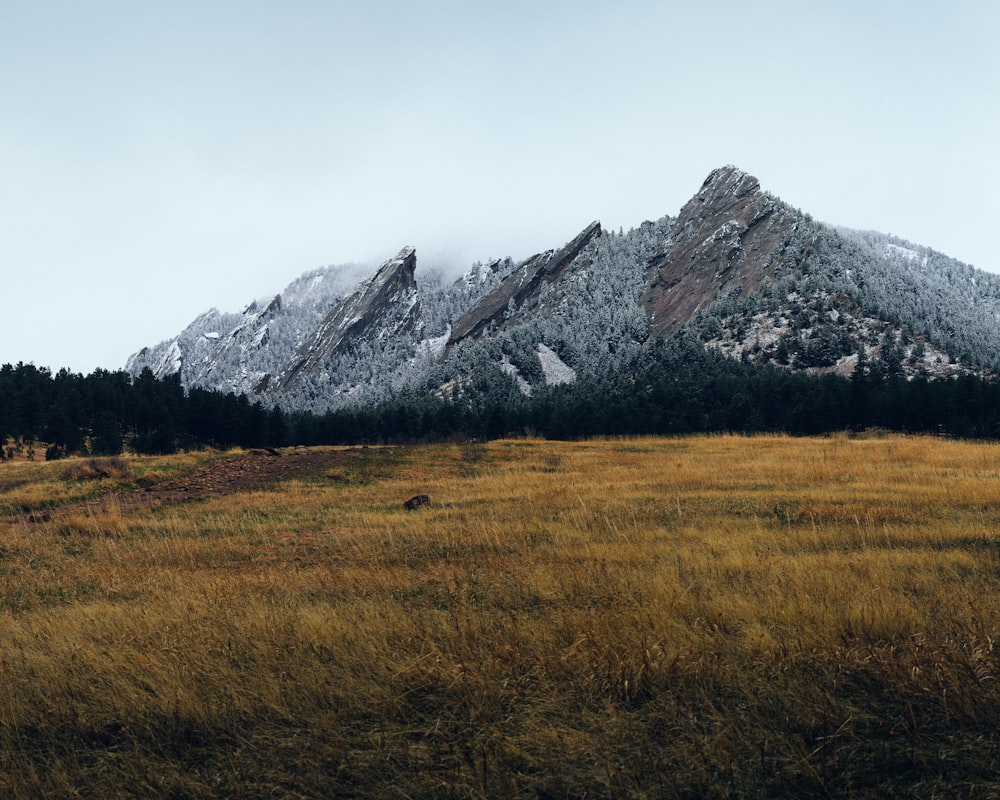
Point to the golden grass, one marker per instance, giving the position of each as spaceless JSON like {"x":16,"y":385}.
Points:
{"x":710,"y":617}
{"x":27,"y":486}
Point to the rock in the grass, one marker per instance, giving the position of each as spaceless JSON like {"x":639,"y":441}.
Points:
{"x":416,"y":502}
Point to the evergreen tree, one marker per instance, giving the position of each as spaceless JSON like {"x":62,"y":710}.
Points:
{"x":106,"y":434}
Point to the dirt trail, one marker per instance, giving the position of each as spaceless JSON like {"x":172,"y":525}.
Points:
{"x":256,"y":469}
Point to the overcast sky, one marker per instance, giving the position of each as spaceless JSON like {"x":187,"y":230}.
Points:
{"x":159,"y":158}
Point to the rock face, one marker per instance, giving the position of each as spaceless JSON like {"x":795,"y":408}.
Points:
{"x":519,"y":294}
{"x":188,"y":352}
{"x":237,"y":353}
{"x":729,"y":235}
{"x":383,"y":306}
{"x":242,"y":352}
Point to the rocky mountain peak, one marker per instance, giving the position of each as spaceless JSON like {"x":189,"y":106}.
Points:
{"x":518,"y":294}
{"x":748,"y":275}
{"x":383,"y":306}
{"x":728,"y":180}
{"x":729,"y":235}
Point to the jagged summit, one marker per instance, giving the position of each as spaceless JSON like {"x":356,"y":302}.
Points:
{"x":518,"y":295}
{"x":729,"y":235}
{"x":383,"y":306}
{"x":729,"y":180}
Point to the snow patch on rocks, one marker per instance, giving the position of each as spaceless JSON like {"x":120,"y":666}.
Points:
{"x":523,"y":386}
{"x":556,"y":370}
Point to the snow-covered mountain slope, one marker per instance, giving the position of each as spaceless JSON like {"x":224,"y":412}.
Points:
{"x":187,"y":351}
{"x":766,"y":283}
{"x":524,"y":290}
{"x":235,"y":352}
{"x":946,"y":300}
{"x":385,"y":307}
{"x":333,"y":337}
{"x":738,"y":268}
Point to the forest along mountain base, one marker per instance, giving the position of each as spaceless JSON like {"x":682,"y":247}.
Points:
{"x":256,"y":469}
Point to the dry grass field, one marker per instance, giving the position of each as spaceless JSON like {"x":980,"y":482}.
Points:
{"x":698,"y":617}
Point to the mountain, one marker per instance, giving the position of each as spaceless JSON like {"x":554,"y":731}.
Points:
{"x":737,"y":269}
{"x":729,"y":237}
{"x":382,"y":309}
{"x":520,"y":293}
{"x":764,"y":282}
{"x":237,"y":352}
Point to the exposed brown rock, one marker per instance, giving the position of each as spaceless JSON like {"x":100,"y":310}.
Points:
{"x":730,"y":234}
{"x":261,"y":386}
{"x":518,"y":294}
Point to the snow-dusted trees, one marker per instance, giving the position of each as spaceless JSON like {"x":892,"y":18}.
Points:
{"x":956,"y":306}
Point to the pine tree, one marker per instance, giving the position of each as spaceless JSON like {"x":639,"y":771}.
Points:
{"x":106,"y":435}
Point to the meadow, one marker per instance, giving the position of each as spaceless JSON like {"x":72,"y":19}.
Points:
{"x":681,"y":618}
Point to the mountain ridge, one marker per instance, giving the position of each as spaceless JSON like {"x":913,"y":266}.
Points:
{"x":738,"y":268}
{"x":728,"y":234}
{"x":387,"y":303}
{"x":520,"y":287}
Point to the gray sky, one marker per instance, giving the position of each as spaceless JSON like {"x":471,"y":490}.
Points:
{"x":160,"y":158}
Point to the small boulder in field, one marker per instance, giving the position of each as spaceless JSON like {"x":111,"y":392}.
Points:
{"x":416,"y":502}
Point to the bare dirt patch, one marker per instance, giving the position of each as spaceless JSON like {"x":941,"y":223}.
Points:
{"x":256,"y":469}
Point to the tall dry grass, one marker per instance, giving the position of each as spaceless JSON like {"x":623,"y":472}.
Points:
{"x":715,"y":617}
{"x":27,"y":486}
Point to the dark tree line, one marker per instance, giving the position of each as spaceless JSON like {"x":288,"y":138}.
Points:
{"x":673,"y":386}
{"x":104,"y":412}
